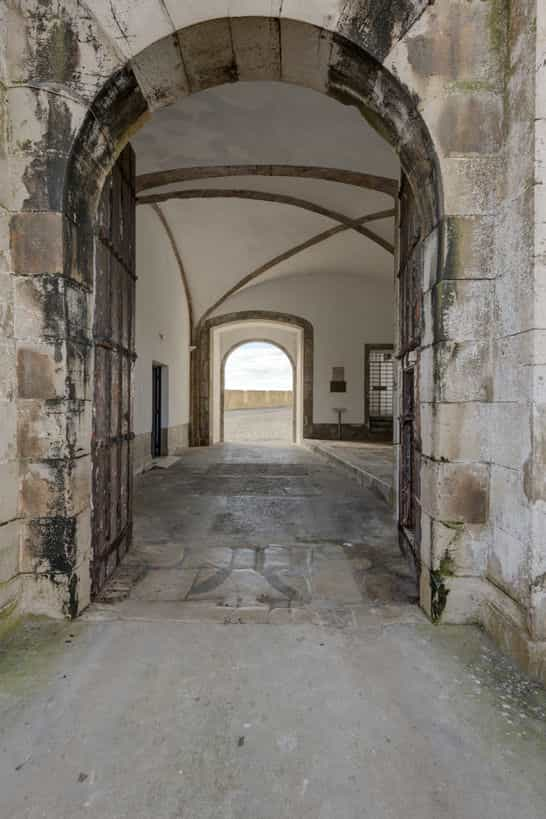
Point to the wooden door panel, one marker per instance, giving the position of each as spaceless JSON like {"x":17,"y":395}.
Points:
{"x":410,"y":318}
{"x":114,"y":364}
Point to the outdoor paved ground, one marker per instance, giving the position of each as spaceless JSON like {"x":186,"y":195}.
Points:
{"x":260,"y":656}
{"x":259,"y":425}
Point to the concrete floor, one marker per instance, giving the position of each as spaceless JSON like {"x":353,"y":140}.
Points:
{"x":262,"y":425}
{"x":260,"y":656}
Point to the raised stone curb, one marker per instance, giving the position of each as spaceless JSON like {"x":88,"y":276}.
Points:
{"x":360,"y":475}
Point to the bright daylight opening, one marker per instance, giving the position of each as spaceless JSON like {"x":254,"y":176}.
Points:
{"x":258,"y":394}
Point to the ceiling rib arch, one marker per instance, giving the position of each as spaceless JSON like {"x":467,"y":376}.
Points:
{"x":158,"y":179}
{"x":260,"y":196}
{"x":283,"y":257}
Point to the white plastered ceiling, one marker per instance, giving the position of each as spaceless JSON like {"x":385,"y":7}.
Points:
{"x":223,"y":239}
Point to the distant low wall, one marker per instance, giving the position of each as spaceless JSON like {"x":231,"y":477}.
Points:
{"x":257,"y":399}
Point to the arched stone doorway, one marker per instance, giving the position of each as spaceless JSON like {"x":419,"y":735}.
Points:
{"x":333,"y":65}
{"x":205,"y":374}
{"x":347,"y":66}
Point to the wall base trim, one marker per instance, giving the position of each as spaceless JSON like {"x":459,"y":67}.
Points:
{"x":506,"y":624}
{"x":176,"y":440}
{"x":350,"y":432}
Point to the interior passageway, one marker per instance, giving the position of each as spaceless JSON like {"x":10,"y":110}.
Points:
{"x":260,"y":534}
{"x":259,"y":654}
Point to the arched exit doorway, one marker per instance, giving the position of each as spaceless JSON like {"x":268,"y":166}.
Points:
{"x":258,"y":392}
{"x":258,"y":337}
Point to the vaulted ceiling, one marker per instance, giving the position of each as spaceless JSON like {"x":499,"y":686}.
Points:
{"x":255,"y":181}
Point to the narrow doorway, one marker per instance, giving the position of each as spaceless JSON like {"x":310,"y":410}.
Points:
{"x":157,"y":414}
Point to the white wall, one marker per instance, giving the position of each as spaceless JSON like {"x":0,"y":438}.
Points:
{"x":346,"y":312}
{"x":162,"y":325}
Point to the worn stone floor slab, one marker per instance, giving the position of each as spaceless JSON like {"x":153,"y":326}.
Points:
{"x":258,"y":657}
{"x":275,"y":527}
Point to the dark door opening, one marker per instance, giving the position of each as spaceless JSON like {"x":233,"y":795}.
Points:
{"x":156,"y":410}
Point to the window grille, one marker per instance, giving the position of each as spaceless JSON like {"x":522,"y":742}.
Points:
{"x":380,"y":385}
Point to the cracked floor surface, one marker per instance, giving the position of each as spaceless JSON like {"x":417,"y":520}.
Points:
{"x":259,"y":656}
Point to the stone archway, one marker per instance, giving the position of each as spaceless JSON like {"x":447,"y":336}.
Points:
{"x":313,"y":57}
{"x":201,"y":368}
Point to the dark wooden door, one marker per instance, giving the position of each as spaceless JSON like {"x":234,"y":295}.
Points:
{"x":407,"y":447}
{"x":114,"y":340}
{"x":410,"y":318}
{"x":156,"y":410}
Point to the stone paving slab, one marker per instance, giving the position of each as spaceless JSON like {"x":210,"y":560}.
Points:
{"x":218,"y":559}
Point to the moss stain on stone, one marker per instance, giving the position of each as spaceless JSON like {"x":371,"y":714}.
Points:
{"x":499,"y":15}
{"x":439,"y":594}
{"x":444,"y":297}
{"x":447,"y":565}
{"x":29,"y":650}
{"x":8,"y":614}
{"x":471,"y":86}
{"x":453,"y":524}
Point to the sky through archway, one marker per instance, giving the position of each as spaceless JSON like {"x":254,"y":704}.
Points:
{"x":258,"y":365}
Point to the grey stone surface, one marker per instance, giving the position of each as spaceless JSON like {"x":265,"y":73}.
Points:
{"x":168,"y":702}
{"x":266,"y":424}
{"x":252,"y":529}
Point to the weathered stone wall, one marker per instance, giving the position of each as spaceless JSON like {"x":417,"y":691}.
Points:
{"x":452,"y":84}
{"x":10,"y":585}
{"x":453,"y":60}
{"x":46,"y":92}
{"x":515,"y":611}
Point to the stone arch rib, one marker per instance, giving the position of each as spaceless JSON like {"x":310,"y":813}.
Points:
{"x":283,"y":257}
{"x":276,"y":198}
{"x":158,"y":179}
